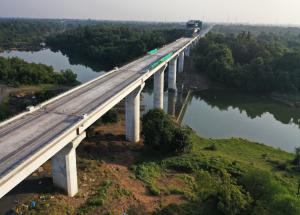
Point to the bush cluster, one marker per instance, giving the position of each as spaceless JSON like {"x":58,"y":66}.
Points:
{"x":163,"y":135}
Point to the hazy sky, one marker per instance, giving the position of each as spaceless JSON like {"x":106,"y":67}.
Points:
{"x":254,"y":11}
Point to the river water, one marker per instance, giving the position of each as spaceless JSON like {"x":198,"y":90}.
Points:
{"x":211,"y":113}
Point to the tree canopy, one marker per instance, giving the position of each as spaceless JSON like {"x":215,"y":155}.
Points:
{"x":250,"y":62}
{"x":14,"y":71}
{"x":112,"y":45}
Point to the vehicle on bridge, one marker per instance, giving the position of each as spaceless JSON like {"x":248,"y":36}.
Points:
{"x":193,"y":27}
{"x":161,"y":60}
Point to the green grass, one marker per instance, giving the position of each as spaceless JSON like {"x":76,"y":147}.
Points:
{"x":120,"y":192}
{"x":98,"y":199}
{"x":148,"y":172}
{"x":220,"y":176}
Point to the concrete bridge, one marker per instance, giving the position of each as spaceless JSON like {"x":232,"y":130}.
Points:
{"x":54,"y":129}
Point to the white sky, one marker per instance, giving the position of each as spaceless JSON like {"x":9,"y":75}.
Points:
{"x":250,"y":11}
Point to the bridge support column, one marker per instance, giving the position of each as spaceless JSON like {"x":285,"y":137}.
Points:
{"x":187,"y":51}
{"x":132,"y":115}
{"x":172,"y":74}
{"x":158,"y":101}
{"x":181,"y":62}
{"x":64,"y":170}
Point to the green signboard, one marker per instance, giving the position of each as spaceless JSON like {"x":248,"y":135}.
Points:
{"x":161,"y":60}
{"x":154,"y":51}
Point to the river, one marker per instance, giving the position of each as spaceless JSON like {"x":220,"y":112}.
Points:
{"x":211,"y":113}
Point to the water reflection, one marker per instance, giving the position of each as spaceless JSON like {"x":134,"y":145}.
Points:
{"x":172,"y":103}
{"x":253,"y":105}
{"x":77,"y":59}
{"x":225,"y":114}
{"x":85,"y":70}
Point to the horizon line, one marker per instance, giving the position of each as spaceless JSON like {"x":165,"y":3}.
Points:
{"x":156,"y":21}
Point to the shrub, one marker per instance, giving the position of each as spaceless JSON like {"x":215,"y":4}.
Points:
{"x":261,"y":185}
{"x":211,"y":147}
{"x":161,"y":133}
{"x":157,"y":129}
{"x":285,"y":204}
{"x":181,"y":141}
{"x":232,"y":199}
{"x":269,"y":195}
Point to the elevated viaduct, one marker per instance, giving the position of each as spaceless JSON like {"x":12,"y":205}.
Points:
{"x":53,"y":129}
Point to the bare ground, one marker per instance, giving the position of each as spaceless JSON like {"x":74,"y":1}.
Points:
{"x":104,"y":156}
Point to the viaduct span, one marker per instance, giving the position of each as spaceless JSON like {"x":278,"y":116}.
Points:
{"x":53,"y":129}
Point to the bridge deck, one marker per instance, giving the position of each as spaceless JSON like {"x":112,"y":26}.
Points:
{"x":22,"y":137}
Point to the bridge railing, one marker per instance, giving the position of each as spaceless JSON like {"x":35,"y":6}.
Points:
{"x":39,"y":106}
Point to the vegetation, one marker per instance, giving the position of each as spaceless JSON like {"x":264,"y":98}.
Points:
{"x":253,"y":62}
{"x":14,"y":71}
{"x":26,"y":96}
{"x":98,"y":199}
{"x":111,"y":116}
{"x":232,"y":176}
{"x":44,"y":83}
{"x":21,"y":33}
{"x":112,"y":44}
{"x":196,"y":175}
{"x":17,"y":33}
{"x":162,"y":135}
{"x":224,"y":176}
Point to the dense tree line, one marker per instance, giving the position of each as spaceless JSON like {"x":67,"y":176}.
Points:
{"x":21,"y":33}
{"x":14,"y":71}
{"x":29,"y":33}
{"x":113,"y":44}
{"x":255,"y":63}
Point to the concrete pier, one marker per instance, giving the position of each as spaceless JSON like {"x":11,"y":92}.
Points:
{"x":187,"y":51}
{"x":158,"y":101}
{"x":64,"y":170}
{"x":132,"y":115}
{"x":181,"y":62}
{"x":172,"y":74}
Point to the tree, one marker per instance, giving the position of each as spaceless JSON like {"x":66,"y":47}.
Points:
{"x":161,"y":134}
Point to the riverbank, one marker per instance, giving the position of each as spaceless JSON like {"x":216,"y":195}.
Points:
{"x":116,"y":176}
{"x":15,"y":100}
{"x":5,"y":91}
{"x":292,"y":100}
